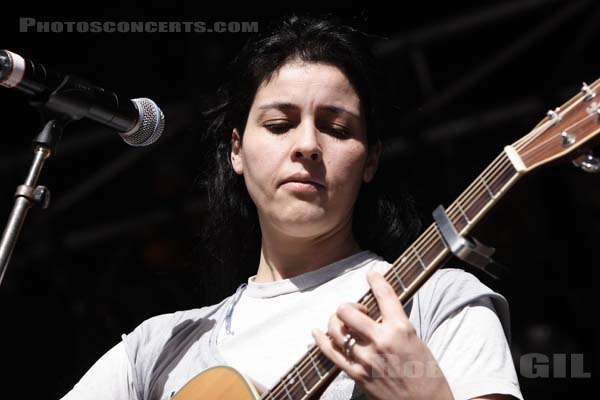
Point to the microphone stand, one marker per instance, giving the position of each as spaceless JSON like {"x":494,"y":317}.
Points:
{"x":28,"y":194}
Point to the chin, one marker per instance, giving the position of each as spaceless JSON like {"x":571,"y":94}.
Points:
{"x":303,"y":227}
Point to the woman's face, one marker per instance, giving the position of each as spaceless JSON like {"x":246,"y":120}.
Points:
{"x":307,"y":120}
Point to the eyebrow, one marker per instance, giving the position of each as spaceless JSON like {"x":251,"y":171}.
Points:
{"x":284,"y":106}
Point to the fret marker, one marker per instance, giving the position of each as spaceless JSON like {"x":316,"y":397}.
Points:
{"x":462,"y":211}
{"x":301,"y":381}
{"x":315,"y":365}
{"x":487,"y":188}
{"x":286,"y":389}
{"x":419,"y":258}
{"x":399,"y":280}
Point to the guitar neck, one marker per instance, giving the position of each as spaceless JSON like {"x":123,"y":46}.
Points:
{"x":410,"y":271}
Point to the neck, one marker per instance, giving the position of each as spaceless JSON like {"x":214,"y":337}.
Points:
{"x":283,"y":257}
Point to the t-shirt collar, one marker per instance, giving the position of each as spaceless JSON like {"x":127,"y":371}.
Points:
{"x":308,"y":279}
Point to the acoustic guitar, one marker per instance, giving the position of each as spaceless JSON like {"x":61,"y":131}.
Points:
{"x":566,"y":133}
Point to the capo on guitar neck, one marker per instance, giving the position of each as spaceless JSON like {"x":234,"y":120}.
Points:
{"x":472,"y":251}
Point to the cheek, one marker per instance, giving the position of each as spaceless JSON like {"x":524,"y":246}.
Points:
{"x":261,"y":160}
{"x":347,"y":170}
{"x":349,"y":163}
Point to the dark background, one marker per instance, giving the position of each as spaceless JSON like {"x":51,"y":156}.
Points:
{"x":117,"y":244}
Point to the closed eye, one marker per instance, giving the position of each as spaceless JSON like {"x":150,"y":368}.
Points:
{"x":339,"y":132}
{"x":278,"y":128}
{"x":335,"y":130}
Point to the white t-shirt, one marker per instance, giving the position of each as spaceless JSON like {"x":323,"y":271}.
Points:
{"x":464,"y":323}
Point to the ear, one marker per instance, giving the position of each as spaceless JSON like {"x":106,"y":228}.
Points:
{"x":372,"y":161}
{"x":236,"y":152}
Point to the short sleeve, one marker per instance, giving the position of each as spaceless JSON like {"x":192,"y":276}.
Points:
{"x":471,"y":349}
{"x":109,"y":378}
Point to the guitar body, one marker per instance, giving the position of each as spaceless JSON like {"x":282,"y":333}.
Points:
{"x":218,"y":383}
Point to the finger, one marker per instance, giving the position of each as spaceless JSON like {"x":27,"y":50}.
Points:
{"x":387,"y":298}
{"x":354,"y":369}
{"x":337,"y":332}
{"x":353,"y":317}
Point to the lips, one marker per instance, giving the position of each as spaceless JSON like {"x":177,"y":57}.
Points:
{"x":304,"y":178}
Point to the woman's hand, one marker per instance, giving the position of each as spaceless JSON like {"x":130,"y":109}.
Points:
{"x":388,"y":360}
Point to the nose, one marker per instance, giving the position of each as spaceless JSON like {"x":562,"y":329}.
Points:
{"x":307,"y":144}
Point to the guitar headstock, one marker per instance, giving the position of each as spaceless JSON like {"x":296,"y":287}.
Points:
{"x":567,"y":132}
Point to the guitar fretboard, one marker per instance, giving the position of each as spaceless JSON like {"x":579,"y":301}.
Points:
{"x":407,"y":274}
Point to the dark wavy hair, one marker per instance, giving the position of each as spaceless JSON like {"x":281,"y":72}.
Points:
{"x":231,"y":237}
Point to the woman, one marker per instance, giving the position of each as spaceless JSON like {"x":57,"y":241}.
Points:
{"x":293,"y":185}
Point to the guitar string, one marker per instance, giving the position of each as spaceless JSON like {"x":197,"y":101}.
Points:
{"x":532,"y":135}
{"x":428,"y":235}
{"x":431,"y":233}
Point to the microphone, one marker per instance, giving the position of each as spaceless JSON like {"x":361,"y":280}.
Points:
{"x":140,"y":122}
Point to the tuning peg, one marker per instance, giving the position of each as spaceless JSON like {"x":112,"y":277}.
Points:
{"x":588,"y":93}
{"x":587,"y":162}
